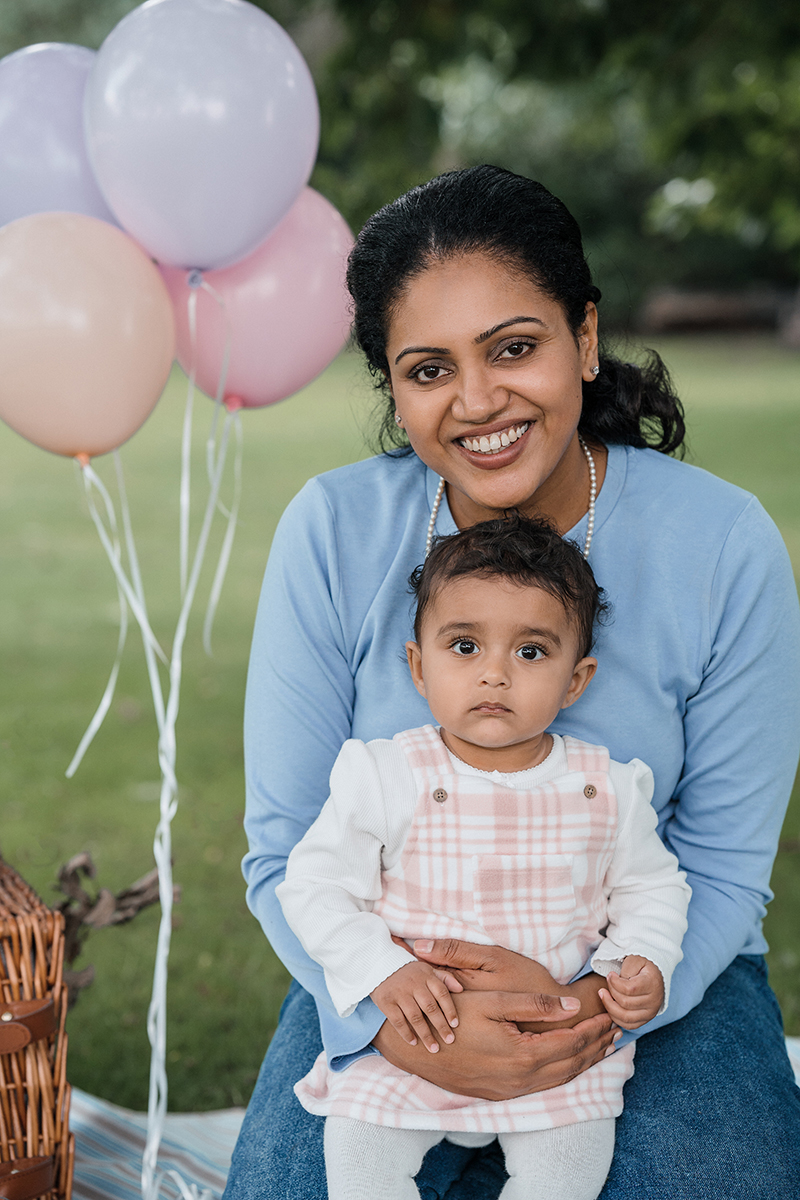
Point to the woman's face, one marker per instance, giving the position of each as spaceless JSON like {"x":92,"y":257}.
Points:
{"x":486,"y":376}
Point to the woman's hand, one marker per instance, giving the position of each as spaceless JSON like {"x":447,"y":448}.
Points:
{"x":492,"y":1058}
{"x":493,"y":968}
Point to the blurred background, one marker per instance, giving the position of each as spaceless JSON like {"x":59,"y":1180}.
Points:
{"x":673,"y":134}
{"x":672,"y":131}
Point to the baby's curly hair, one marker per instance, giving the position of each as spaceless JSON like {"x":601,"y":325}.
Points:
{"x":528,"y":552}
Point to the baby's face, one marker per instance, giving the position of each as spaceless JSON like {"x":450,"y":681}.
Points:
{"x":496,"y":662}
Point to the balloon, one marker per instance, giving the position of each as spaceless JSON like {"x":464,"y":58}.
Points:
{"x":202,"y":127}
{"x":87,"y":334}
{"x":43,"y":160}
{"x":286,"y":307}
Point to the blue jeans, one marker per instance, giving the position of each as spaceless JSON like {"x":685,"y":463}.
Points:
{"x":711,"y":1113}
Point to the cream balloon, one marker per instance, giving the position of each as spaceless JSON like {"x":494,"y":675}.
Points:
{"x":87,"y":333}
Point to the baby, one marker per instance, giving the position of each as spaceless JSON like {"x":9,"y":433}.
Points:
{"x":489,"y":829}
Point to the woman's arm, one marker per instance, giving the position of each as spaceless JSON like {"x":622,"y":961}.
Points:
{"x":742,"y":732}
{"x":298,"y":714}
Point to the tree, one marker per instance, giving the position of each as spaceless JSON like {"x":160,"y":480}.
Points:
{"x":673,"y":131}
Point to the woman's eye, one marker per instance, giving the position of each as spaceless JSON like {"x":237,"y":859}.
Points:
{"x":530,"y":653}
{"x":516,"y":349}
{"x":464,"y":647}
{"x":427,"y":372}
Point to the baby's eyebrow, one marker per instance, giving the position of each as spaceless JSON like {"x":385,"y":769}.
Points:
{"x":473,"y":629}
{"x":548,"y":634}
{"x":458,"y":627}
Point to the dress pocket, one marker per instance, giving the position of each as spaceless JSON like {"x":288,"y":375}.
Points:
{"x":525,"y":902}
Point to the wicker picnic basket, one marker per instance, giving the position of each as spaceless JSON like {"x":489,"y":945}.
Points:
{"x":36,"y":1148}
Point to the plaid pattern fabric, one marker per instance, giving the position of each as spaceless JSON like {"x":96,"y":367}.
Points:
{"x":521,"y":869}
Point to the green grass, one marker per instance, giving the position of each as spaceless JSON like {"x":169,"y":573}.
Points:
{"x":58,"y":638}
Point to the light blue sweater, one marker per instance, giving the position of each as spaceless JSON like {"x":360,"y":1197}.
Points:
{"x":699,"y":676}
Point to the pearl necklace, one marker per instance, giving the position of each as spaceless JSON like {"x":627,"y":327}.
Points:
{"x":592,"y":496}
{"x":589,"y":518}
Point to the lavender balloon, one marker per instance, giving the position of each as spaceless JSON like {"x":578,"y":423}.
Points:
{"x":202,"y":126}
{"x":43,"y":162}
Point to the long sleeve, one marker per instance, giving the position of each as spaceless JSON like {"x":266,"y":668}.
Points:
{"x":742,"y":730}
{"x":699,"y":675}
{"x":327,"y":664}
{"x":298,"y":714}
{"x":334,"y":875}
{"x":648,"y":894}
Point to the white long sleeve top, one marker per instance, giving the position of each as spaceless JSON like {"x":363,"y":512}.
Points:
{"x":333,"y":876}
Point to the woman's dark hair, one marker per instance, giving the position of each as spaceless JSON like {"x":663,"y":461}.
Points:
{"x":492,"y":211}
{"x":528,"y":552}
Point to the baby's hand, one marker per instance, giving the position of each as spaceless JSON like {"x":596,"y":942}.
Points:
{"x":416,"y":999}
{"x":636,"y":994}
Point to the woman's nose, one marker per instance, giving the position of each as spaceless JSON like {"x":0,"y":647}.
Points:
{"x":477,"y":399}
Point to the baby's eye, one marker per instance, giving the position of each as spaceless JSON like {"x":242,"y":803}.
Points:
{"x":464,"y":647}
{"x":530,"y":653}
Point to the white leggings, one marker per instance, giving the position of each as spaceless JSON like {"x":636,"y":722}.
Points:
{"x":377,"y":1162}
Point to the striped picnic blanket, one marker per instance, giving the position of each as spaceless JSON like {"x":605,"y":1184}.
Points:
{"x":109,"y":1142}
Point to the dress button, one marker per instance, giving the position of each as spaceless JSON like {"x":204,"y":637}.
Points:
{"x":440,"y":795}
{"x":590,"y":791}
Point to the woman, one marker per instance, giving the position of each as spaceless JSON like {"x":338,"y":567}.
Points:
{"x":476,"y":311}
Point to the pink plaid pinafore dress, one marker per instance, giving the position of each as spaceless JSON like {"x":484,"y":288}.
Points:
{"x":489,"y":864}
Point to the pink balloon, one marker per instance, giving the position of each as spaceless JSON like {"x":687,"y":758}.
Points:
{"x":286,"y":307}
{"x":87,"y":334}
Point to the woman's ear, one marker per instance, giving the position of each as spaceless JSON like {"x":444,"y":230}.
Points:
{"x":588,"y":342}
{"x":581,"y":678}
{"x":414,"y":655}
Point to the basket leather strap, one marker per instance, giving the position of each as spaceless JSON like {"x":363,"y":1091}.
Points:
{"x":25,"y":1021}
{"x":26,"y":1178}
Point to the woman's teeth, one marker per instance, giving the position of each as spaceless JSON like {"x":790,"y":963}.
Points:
{"x":495,"y":441}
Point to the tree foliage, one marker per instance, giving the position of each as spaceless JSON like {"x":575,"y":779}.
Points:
{"x":673,"y":131}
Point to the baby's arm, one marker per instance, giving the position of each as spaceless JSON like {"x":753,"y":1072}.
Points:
{"x":635,"y":993}
{"x":647,"y":902}
{"x":416,"y":1000}
{"x":333,"y":878}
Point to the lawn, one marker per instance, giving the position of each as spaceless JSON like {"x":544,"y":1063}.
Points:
{"x":58,"y":638}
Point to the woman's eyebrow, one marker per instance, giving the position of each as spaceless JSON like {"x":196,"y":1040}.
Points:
{"x":480,"y":338}
{"x":504,"y":325}
{"x":421,"y":350}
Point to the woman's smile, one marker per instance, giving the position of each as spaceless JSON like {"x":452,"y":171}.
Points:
{"x":490,"y":443}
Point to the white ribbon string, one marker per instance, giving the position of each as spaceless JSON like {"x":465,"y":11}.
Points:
{"x":108,"y":694}
{"x":136,"y":577}
{"x":230,"y":532}
{"x":213,"y":455}
{"x":186,"y":439}
{"x":132,"y":597}
{"x":91,"y":479}
{"x":190,"y":1191}
{"x":211,"y":441}
{"x":162,"y":850}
